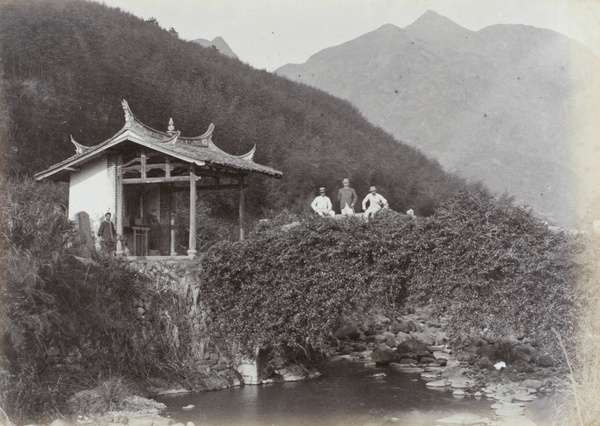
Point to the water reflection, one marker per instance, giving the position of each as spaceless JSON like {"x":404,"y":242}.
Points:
{"x":347,"y":393}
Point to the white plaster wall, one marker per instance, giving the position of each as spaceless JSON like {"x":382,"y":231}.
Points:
{"x":92,"y":190}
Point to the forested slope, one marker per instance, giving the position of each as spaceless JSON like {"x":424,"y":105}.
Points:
{"x":67,"y":64}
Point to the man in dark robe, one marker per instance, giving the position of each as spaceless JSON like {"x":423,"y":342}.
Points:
{"x":107,"y":234}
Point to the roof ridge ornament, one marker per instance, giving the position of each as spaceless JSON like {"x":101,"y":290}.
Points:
{"x":249,"y":156}
{"x":79,"y":148}
{"x":128,"y":113}
{"x":174,"y":139}
{"x":171,"y":128}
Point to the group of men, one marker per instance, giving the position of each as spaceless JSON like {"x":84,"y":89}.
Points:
{"x":348,"y":198}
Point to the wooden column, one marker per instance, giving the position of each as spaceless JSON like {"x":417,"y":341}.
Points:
{"x":192,"y":240}
{"x":173,"y":252}
{"x":120,"y":200}
{"x":143,"y":159}
{"x":241,"y":184}
{"x":172,"y":221}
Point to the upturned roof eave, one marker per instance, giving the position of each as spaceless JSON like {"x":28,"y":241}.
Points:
{"x":137,"y":132}
{"x":120,"y":137}
{"x":127,"y":134}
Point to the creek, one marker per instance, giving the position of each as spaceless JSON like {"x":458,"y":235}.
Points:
{"x":347,"y":393}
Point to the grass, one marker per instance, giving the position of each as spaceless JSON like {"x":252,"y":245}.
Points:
{"x":108,"y":395}
{"x":583,"y":398}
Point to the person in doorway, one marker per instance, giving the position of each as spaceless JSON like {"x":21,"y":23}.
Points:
{"x":322,"y":204}
{"x":347,"y":198}
{"x":107,"y":234}
{"x":376,"y":202}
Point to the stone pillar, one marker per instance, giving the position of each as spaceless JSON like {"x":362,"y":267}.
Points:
{"x":84,"y":230}
{"x":192,"y":240}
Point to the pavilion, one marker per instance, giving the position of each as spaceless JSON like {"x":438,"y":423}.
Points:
{"x":136,"y":174}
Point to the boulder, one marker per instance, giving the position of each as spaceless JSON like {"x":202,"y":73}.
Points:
{"x":370,"y":338}
{"x":292,"y":373}
{"x":484,"y":363}
{"x":531,"y":383}
{"x":402,"y":337}
{"x":346,"y":349}
{"x":430,"y":376}
{"x":439,"y":338}
{"x":425,"y":354}
{"x":381,"y":319}
{"x":546,"y":361}
{"x":394,"y":327}
{"x":487,"y":350}
{"x":426,"y":338}
{"x":406,"y":327}
{"x":438,"y":384}
{"x":390,"y":337}
{"x":523,"y":352}
{"x":359,"y":346}
{"x":409,"y":355}
{"x":521,"y":366}
{"x":383,"y":347}
{"x":441,"y":355}
{"x":383,"y":356}
{"x":350,"y":332}
{"x":380,"y":338}
{"x":412,"y":345}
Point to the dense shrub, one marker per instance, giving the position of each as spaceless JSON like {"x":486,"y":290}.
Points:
{"x":482,"y":263}
{"x":494,"y":268}
{"x":290,"y":285}
{"x":82,"y":311}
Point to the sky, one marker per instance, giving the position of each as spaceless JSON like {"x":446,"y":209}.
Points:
{"x":270,"y":33}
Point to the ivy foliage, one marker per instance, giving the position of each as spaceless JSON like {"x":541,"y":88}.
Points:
{"x":482,"y":263}
{"x":291,"y":285}
{"x":494,"y":268}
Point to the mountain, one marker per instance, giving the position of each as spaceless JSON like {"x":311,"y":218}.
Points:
{"x":67,"y":64}
{"x":219,"y":44}
{"x":512,"y":106}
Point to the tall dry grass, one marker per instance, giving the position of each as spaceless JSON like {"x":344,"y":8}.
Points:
{"x":582,"y":406}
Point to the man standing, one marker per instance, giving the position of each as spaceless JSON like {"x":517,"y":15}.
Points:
{"x":107,"y":234}
{"x":322,"y":204}
{"x":347,"y":198}
{"x":376,"y":203}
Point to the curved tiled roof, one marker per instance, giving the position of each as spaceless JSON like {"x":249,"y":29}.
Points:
{"x":199,"y":150}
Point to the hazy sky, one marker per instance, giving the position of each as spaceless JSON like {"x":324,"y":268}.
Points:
{"x":270,"y":33}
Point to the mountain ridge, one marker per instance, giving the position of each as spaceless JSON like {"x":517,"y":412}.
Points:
{"x":219,"y":44}
{"x":507,"y":105}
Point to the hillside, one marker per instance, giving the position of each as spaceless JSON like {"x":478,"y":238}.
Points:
{"x":67,"y":64}
{"x":509,"y":105}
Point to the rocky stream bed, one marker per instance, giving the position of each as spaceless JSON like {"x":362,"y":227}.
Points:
{"x":507,"y":371}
